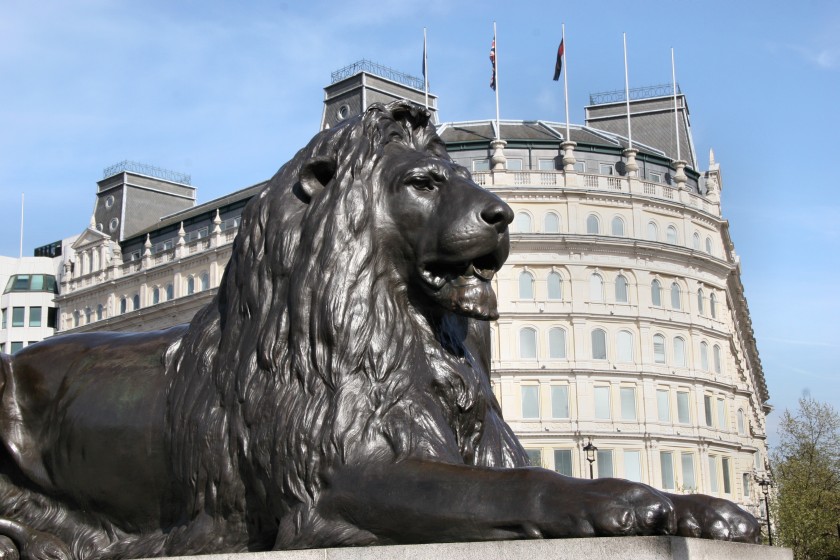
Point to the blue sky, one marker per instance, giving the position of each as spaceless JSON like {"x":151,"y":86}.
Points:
{"x":227,"y":92}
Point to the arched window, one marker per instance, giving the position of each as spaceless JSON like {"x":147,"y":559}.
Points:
{"x":191,"y":285}
{"x":596,"y":288}
{"x":617,"y":226}
{"x":156,"y":296}
{"x":136,"y":301}
{"x":652,"y":232}
{"x":695,"y":241}
{"x":77,"y":318}
{"x":552,"y":223}
{"x":742,"y":424}
{"x":713,"y":305}
{"x":675,"y":296}
{"x":624,"y":347}
{"x":123,"y":305}
{"x":593,"y":224}
{"x":170,"y":292}
{"x":671,"y":235}
{"x":527,"y":343}
{"x":100,"y":311}
{"x":88,"y":315}
{"x":621,"y":289}
{"x":659,"y":349}
{"x":555,"y":286}
{"x":656,"y":293}
{"x":557,"y":343}
{"x":526,"y":285}
{"x":716,"y":358}
{"x":599,"y":344}
{"x":709,"y":245}
{"x":700,"y":304}
{"x":704,"y":356}
{"x":679,"y":351}
{"x":523,"y":223}
{"x":205,"y":281}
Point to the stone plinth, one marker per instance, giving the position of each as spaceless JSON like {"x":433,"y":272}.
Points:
{"x":619,"y":548}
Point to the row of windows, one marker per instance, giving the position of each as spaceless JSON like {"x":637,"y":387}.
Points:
{"x":527,"y":288}
{"x":678,"y":469}
{"x":523,"y":223}
{"x":622,"y":350}
{"x":31,"y":283}
{"x":36,"y":317}
{"x":554,"y":164}
{"x":15,"y":347}
{"x":189,"y":237}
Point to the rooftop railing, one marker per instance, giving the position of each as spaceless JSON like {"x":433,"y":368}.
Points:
{"x":646,"y":92}
{"x":371,"y":67}
{"x":146,"y":169}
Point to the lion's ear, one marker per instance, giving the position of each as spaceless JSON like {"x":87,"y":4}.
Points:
{"x":314,"y":176}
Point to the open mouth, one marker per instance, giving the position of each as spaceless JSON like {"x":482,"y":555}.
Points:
{"x":438,"y":274}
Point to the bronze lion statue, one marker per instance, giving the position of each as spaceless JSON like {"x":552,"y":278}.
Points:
{"x":335,"y":392}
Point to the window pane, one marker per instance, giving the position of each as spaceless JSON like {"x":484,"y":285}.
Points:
{"x":546,"y":165}
{"x":17,"y":316}
{"x":618,"y":226}
{"x":633,"y":466}
{"x":688,"y":478}
{"x":675,"y":296}
{"x":52,"y":317}
{"x":136,"y":301}
{"x":695,"y":243}
{"x":599,"y":345}
{"x":34,"y":316}
{"x":605,"y":463}
{"x":559,"y":401}
{"x":716,"y":356}
{"x":602,"y":403}
{"x":563,"y":461}
{"x":721,"y":413}
{"x":656,"y":293}
{"x":727,"y":484}
{"x":700,"y":301}
{"x":534,"y":457}
{"x":663,"y":405}
{"x":625,"y":347}
{"x":523,"y":223}
{"x":557,"y":343}
{"x":652,"y":232}
{"x":745,"y":482}
{"x":552,"y":223}
{"x":555,"y":286}
{"x":481,"y":165}
{"x":527,"y":343}
{"x":606,"y":169}
{"x":156,"y":295}
{"x":205,"y":281}
{"x":530,"y":401}
{"x":659,"y":349}
{"x":683,"y":411}
{"x":170,"y":292}
{"x":741,"y":423}
{"x":671,"y":235}
{"x":707,"y":405}
{"x":713,"y":473}
{"x":713,"y":306}
{"x":3,"y":321}
{"x":593,"y":225}
{"x":37,"y":284}
{"x":704,"y":356}
{"x":191,"y":285}
{"x":526,"y":286}
{"x":99,"y":312}
{"x":628,"y":403}
{"x":679,"y":351}
{"x":596,"y":288}
{"x":709,"y":245}
{"x":514,"y":164}
{"x":666,"y":461}
{"x":21,"y":284}
{"x":16,"y":347}
{"x":621,"y":289}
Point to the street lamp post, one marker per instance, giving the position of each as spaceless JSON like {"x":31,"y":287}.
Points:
{"x":765,"y":483}
{"x":590,"y":451}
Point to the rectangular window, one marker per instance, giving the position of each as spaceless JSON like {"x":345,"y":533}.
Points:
{"x":580,"y":167}
{"x":37,"y":284}
{"x":654,"y":176}
{"x":16,"y":347}
{"x":727,"y":484}
{"x":683,"y":408}
{"x":757,"y":460}
{"x":628,"y":403}
{"x":633,"y":465}
{"x":745,"y":478}
{"x":721,"y":413}
{"x":534,"y":457}
{"x":17,"y":316}
{"x":21,"y":284}
{"x":3,"y":320}
{"x":605,"y":463}
{"x":602,"y":403}
{"x":713,"y":474}
{"x":481,"y":165}
{"x":659,"y":349}
{"x":688,"y":479}
{"x":546,"y":165}
{"x":606,"y":169}
{"x":530,"y":401}
{"x":559,"y":401}
{"x":666,"y":461}
{"x":34,"y":316}
{"x":513,"y":164}
{"x":663,"y":405}
{"x":707,"y":406}
{"x":563,"y":461}
{"x":52,"y":317}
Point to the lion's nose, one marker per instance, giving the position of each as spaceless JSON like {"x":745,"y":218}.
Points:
{"x":497,"y":214}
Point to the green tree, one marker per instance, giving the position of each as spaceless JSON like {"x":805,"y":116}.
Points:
{"x":806,"y":507}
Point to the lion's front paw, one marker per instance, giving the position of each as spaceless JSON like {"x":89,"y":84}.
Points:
{"x":43,"y":546}
{"x":713,"y":518}
{"x":628,"y":508}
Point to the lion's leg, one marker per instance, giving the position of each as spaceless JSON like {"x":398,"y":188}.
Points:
{"x":32,"y":544}
{"x":703,"y":516}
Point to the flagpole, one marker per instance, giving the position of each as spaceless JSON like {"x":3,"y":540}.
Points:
{"x":425,"y":69}
{"x":676,"y":119}
{"x":627,"y":95}
{"x":498,"y":127}
{"x":565,"y":79}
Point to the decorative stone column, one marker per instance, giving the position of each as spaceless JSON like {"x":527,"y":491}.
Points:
{"x":179,"y":245}
{"x":631,"y":165}
{"x":569,"y":160}
{"x":498,"y":159}
{"x":679,"y":175}
{"x":147,"y":252}
{"x":217,"y":230}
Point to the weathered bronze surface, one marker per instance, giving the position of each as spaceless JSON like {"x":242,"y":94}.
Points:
{"x":336,"y":392}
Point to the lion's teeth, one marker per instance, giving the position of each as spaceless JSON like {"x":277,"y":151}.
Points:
{"x":434,"y":280}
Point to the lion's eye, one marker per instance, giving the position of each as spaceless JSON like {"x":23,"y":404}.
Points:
{"x":422,"y":183}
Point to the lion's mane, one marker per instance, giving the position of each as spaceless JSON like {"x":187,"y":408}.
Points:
{"x":305,"y":350}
